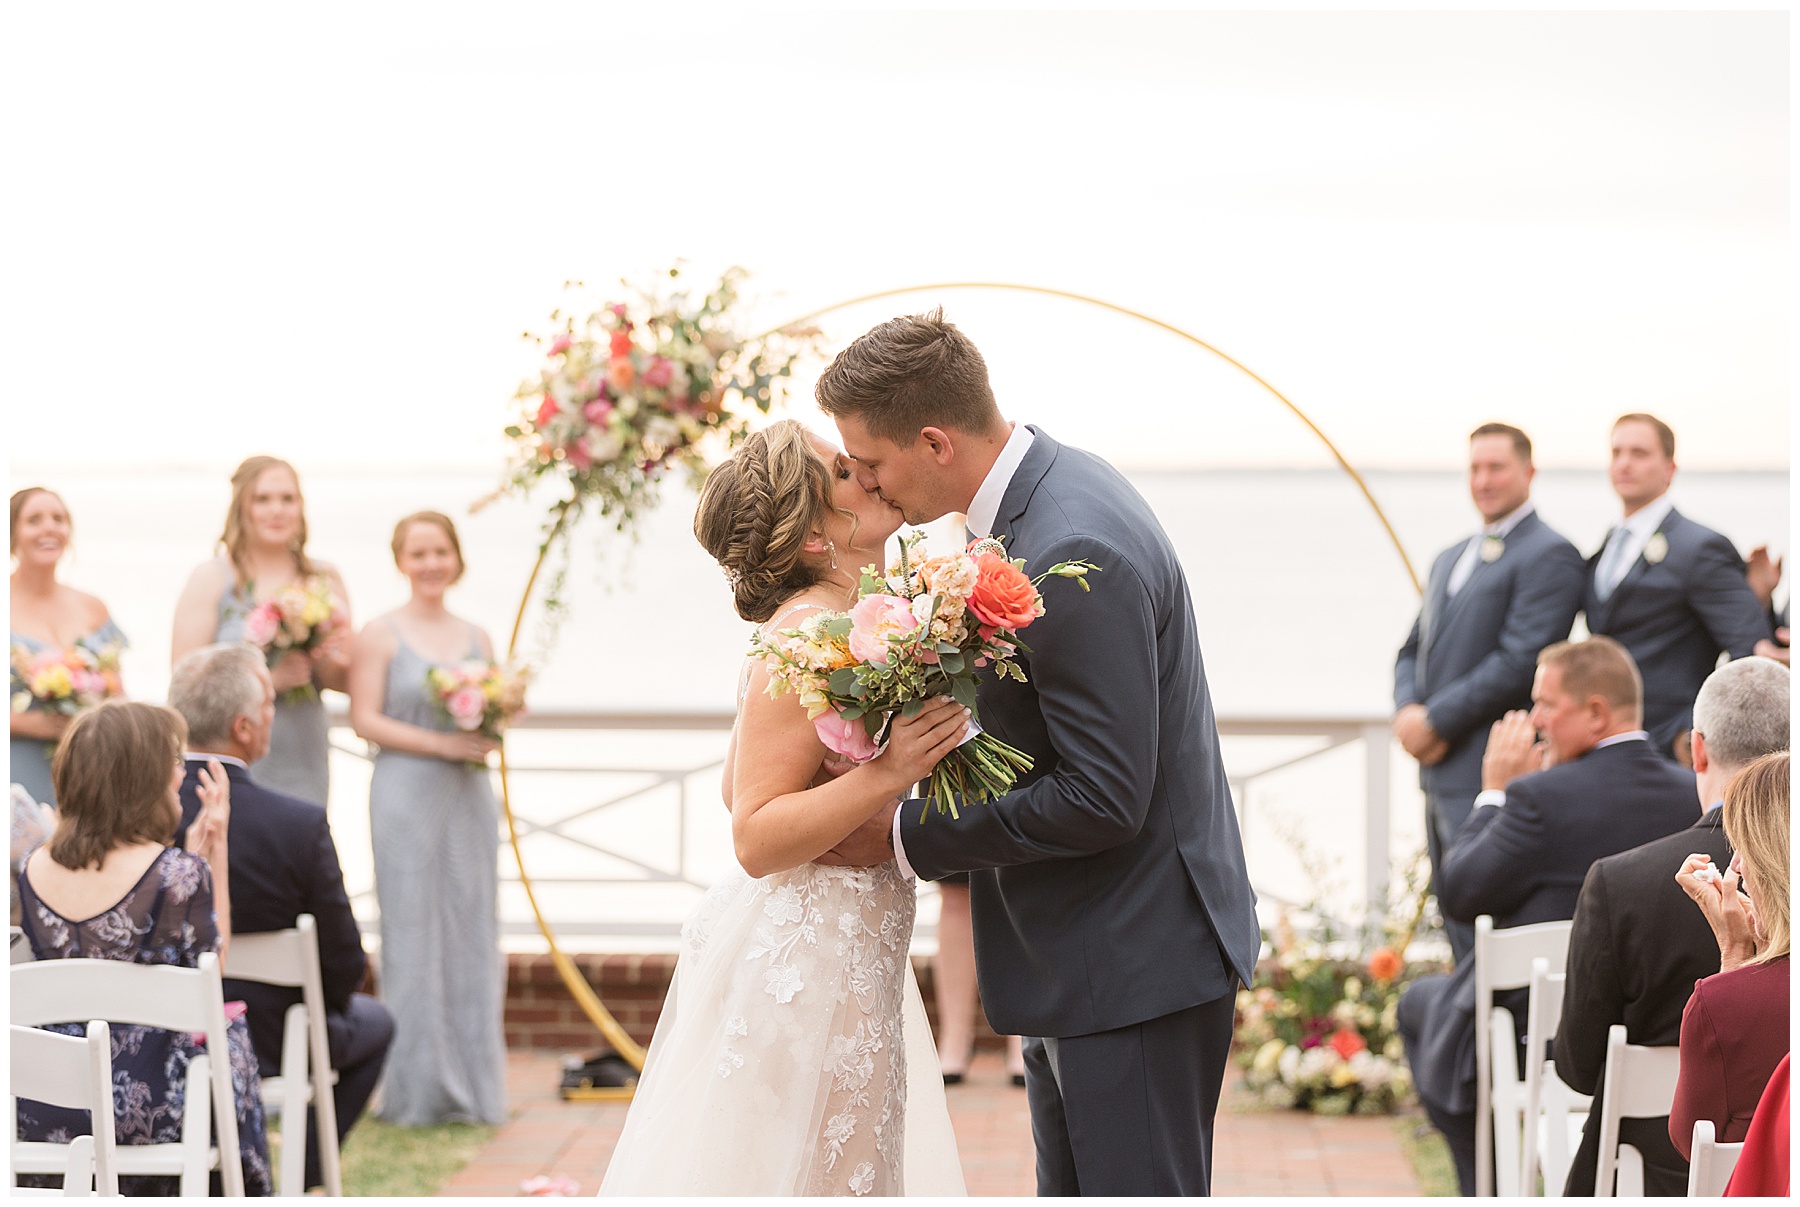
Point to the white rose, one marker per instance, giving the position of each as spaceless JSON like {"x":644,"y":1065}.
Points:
{"x":603,"y":445}
{"x":626,"y":406}
{"x":662,"y":432}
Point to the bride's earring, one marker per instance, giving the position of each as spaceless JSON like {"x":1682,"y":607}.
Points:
{"x":831,"y":548}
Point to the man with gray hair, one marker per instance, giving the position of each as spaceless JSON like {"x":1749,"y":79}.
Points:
{"x":283,"y":864}
{"x":1638,"y":944}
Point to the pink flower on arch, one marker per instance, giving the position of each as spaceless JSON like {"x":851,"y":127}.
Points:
{"x":560,"y":346}
{"x":660,"y":373}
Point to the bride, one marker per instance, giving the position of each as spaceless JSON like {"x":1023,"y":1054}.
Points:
{"x":793,"y":1056}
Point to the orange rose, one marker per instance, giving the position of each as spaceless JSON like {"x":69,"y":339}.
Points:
{"x":1003,"y":596}
{"x":621,"y":374}
{"x":1347,"y":1043}
{"x":1385,"y":964}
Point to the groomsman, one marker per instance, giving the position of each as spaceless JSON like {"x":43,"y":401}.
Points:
{"x":1493,"y":601}
{"x":1670,"y":591}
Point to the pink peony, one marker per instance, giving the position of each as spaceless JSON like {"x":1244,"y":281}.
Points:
{"x":262,"y":624}
{"x":578,"y":455}
{"x":560,"y":346}
{"x":874,"y":620}
{"x":659,"y":374}
{"x":466,"y":704}
{"x":597,"y":410}
{"x":847,"y":738}
{"x":546,"y":413}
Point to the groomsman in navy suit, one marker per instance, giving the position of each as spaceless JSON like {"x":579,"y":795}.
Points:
{"x":1492,"y":602}
{"x":1670,"y":591}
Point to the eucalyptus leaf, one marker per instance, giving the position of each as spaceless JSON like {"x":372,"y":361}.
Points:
{"x":843,"y":681}
{"x":951,"y":664}
{"x":963,"y":691}
{"x":911,"y":708}
{"x":838,"y":627}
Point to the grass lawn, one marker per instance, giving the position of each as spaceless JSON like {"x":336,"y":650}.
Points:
{"x":381,"y":1159}
{"x":1427,"y":1154}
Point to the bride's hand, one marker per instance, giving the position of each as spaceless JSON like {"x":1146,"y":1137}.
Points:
{"x":917,"y":743}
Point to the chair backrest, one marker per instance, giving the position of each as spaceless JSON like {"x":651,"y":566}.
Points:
{"x":1710,"y":1163}
{"x":148,"y":995}
{"x":1503,"y":960}
{"x":1639,"y":1084}
{"x":277,"y":957}
{"x":67,"y":1071}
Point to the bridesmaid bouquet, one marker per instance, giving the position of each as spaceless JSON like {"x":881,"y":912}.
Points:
{"x":924,"y":629}
{"x":479,"y":697}
{"x":300,"y":616}
{"x":64,"y":681}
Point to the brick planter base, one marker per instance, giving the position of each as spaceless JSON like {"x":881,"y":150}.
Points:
{"x":540,"y":1013}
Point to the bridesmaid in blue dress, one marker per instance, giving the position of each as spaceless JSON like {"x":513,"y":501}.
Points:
{"x":263,"y":549}
{"x":105,"y":886}
{"x":46,"y":615}
{"x":435,"y":828}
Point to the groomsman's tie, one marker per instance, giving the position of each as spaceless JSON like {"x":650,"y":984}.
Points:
{"x":1605,"y":577}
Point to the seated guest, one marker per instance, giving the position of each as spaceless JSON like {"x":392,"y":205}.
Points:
{"x":1762,"y":1168}
{"x":1525,"y":850}
{"x":1735,"y":1028}
{"x":283,"y":864}
{"x":1639,"y":944}
{"x":31,"y":825}
{"x":117,"y":771}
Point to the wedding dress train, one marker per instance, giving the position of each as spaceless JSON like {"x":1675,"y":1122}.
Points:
{"x":793,"y":1056}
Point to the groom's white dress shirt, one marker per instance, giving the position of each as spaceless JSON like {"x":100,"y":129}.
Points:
{"x":984,"y":508}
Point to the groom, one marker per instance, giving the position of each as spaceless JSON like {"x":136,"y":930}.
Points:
{"x":1113,"y":915}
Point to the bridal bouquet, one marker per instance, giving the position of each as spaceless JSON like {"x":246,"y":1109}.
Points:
{"x":300,"y":616}
{"x":479,"y":697}
{"x":925,"y":628}
{"x":64,"y":681}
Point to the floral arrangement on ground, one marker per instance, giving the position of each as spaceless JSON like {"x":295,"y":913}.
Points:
{"x":1317,"y":1031}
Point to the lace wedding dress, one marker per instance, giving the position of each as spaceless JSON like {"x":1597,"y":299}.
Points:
{"x":793,"y":1055}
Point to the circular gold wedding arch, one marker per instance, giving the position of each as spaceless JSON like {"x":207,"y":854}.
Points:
{"x":584,"y":994}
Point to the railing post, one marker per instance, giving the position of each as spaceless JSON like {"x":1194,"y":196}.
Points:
{"x":1378,"y":755}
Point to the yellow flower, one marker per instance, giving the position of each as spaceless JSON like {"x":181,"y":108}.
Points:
{"x":1268,"y":1055}
{"x":52,"y":683}
{"x":1343,"y":1075}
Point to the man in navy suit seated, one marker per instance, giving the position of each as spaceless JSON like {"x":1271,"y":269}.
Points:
{"x":1592,"y":787}
{"x":283,"y":864}
{"x":1492,"y":602}
{"x":1672,"y":592}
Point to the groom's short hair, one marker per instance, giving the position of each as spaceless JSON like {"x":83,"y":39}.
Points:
{"x":911,"y":372}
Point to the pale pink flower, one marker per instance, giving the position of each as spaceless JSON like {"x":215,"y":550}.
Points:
{"x":560,"y":346}
{"x":874,"y":620}
{"x":263,"y":622}
{"x":847,"y":738}
{"x":597,"y":410}
{"x":466,"y":704}
{"x":659,"y":373}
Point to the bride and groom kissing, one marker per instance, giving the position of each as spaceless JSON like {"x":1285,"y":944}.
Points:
{"x":1113,"y":914}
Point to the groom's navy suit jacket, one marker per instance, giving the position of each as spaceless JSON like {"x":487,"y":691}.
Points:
{"x":1676,"y":617}
{"x":1471,"y":657}
{"x":1108,"y":888}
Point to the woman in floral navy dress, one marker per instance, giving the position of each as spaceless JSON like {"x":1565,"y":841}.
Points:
{"x":107,"y":886}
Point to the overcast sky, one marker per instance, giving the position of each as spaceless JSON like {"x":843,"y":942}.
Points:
{"x":318,"y":230}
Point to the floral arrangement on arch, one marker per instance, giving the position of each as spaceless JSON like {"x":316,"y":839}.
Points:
{"x":641,"y":386}
{"x":1317,"y":1030}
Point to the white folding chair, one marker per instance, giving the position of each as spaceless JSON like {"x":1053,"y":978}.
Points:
{"x":291,"y":958}
{"x":1639,"y":1084}
{"x":19,"y":947}
{"x":1503,"y":961}
{"x":66,"y":1071}
{"x":161,"y":995}
{"x":1710,"y":1163}
{"x":1554,"y":1113}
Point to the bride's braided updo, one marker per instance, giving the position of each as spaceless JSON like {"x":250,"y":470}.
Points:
{"x":757,"y":510}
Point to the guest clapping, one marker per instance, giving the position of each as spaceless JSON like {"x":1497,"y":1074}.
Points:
{"x":53,"y":625}
{"x":118,"y":770}
{"x":234,"y":596}
{"x":1735,"y":1028}
{"x":434,"y":824}
{"x":284,"y":864}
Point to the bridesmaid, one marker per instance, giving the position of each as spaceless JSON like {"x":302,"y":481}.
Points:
{"x":263,"y":550}
{"x":46,"y":615}
{"x":435,"y":827}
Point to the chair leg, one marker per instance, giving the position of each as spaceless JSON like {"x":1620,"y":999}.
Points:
{"x":1631,"y":1173}
{"x":196,"y":1129}
{"x":294,"y":1091}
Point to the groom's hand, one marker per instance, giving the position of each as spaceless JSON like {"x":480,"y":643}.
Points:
{"x":867,"y":845}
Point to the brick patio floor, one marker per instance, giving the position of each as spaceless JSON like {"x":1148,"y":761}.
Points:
{"x":1256,"y":1153}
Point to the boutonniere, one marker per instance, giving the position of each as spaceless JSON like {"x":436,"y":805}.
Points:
{"x":1656,"y":548}
{"x":1492,"y":547}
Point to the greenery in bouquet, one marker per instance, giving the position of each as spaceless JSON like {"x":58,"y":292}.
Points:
{"x":1317,"y":1031}
{"x":926,"y":628}
{"x":478,"y":696}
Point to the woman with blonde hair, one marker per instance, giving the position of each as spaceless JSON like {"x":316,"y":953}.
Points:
{"x":108,"y":885}
{"x":262,"y":551}
{"x":792,"y":1055}
{"x":47,"y":617}
{"x":435,"y":827}
{"x":1734,"y":1031}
